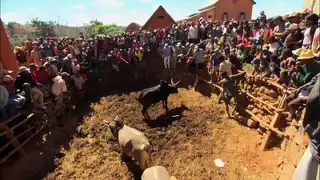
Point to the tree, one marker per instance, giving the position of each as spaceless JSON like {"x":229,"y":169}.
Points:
{"x":44,"y":28}
{"x":95,"y":23}
{"x":12,"y":28}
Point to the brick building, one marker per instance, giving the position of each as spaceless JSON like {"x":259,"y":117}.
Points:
{"x":159,"y":19}
{"x":225,"y":10}
{"x":133,"y":27}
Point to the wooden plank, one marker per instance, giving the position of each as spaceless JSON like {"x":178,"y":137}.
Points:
{"x":266,"y":125}
{"x":19,"y":124}
{"x":16,"y":138}
{"x":17,"y":149}
{"x":274,"y":121}
{"x":12,"y":118}
{"x":262,"y":102}
{"x":10,"y":137}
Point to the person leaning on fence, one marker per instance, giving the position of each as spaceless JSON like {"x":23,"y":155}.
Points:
{"x":26,"y":77}
{"x":15,"y":100}
{"x":299,"y":97}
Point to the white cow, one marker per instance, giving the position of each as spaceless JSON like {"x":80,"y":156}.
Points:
{"x":156,"y":173}
{"x":133,"y":143}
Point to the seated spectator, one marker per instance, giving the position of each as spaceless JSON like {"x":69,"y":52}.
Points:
{"x":241,"y":53}
{"x":264,"y":69}
{"x":309,"y":68}
{"x":26,"y":77}
{"x":15,"y":100}
{"x":295,"y":37}
{"x":274,"y":71}
{"x":273,"y":45}
{"x":299,"y":97}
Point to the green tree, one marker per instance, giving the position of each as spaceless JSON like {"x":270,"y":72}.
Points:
{"x":12,"y":28}
{"x":44,"y":28}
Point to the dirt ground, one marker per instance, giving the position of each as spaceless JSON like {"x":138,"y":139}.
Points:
{"x":187,"y":146}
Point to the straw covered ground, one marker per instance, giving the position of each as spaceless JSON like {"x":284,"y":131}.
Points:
{"x":186,"y":145}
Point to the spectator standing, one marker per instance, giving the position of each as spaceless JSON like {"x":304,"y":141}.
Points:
{"x":167,"y":53}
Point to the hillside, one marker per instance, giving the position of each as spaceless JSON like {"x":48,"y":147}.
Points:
{"x":18,"y":33}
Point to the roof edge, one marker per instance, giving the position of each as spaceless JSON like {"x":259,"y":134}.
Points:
{"x":158,"y":9}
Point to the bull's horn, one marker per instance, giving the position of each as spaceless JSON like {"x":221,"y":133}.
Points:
{"x":174,"y":84}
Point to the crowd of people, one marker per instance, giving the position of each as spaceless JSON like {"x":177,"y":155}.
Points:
{"x":284,"y":49}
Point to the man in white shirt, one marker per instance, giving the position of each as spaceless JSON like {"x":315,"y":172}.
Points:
{"x":225,"y":65}
{"x":59,"y":87}
{"x":192,"y":33}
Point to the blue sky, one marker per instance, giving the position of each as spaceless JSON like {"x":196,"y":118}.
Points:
{"x":122,"y":12}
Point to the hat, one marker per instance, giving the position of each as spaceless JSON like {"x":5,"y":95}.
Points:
{"x":277,"y":18}
{"x":7,"y":78}
{"x":22,"y":69}
{"x":294,"y":14}
{"x":293,"y":27}
{"x":306,"y":54}
{"x":297,"y":52}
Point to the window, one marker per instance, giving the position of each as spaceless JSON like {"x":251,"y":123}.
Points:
{"x":209,"y":17}
{"x":242,"y":16}
{"x":234,"y":1}
{"x":225,"y":17}
{"x":160,"y":17}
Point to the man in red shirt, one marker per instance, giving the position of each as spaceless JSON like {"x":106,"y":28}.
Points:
{"x":42,"y":75}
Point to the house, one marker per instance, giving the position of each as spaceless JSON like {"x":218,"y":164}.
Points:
{"x":133,"y":27}
{"x":159,"y":19}
{"x":226,"y":10}
{"x":314,"y":5}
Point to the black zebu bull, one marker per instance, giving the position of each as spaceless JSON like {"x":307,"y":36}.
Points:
{"x":153,"y":95}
